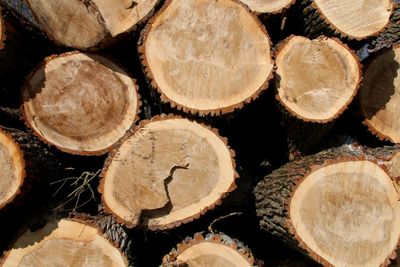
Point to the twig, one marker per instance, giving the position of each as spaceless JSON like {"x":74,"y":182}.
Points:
{"x":222,"y":218}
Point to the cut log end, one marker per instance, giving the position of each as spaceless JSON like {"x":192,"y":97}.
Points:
{"x":268,"y":6}
{"x":89,"y":22}
{"x":380,"y":95}
{"x":12,"y":166}
{"x":64,"y":243}
{"x":80,"y":103}
{"x":346,"y":209}
{"x":214,"y":250}
{"x":317,"y":78}
{"x":205,"y":56}
{"x":356,"y":19}
{"x":181,"y":169}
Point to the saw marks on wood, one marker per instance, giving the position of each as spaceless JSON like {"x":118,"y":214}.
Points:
{"x":380,"y":96}
{"x":64,"y":243}
{"x":268,"y":6}
{"x":80,"y":103}
{"x":169,"y":171}
{"x":317,"y":79}
{"x":207,"y":56}
{"x":84,"y":24}
{"x":12,"y":169}
{"x":348,"y":214}
{"x":356,"y":18}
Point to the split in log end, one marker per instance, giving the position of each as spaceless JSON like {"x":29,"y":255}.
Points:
{"x":90,"y":22}
{"x":181,"y":170}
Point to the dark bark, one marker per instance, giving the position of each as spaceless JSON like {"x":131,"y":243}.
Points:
{"x":384,"y":40}
{"x":273,"y":193}
{"x":24,"y":47}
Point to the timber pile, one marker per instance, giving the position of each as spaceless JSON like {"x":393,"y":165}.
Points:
{"x":129,"y":127}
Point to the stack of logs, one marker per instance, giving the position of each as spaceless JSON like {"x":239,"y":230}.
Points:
{"x":192,"y":113}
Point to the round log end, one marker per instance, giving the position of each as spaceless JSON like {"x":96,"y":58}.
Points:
{"x":205,"y":56}
{"x":64,"y":243}
{"x":80,"y":103}
{"x":214,"y":250}
{"x":12,"y":166}
{"x":170,"y":171}
{"x":347,"y":213}
{"x":380,"y":95}
{"x":358,"y":19}
{"x":268,"y":6}
{"x":316,"y":79}
{"x":86,"y":24}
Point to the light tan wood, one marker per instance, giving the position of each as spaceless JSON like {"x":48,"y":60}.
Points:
{"x":347,"y":214}
{"x":64,"y":243}
{"x":169,"y":171}
{"x":268,"y":6}
{"x":12,"y":169}
{"x":207,"y":56}
{"x":316,"y":79}
{"x":84,"y":24}
{"x":356,"y":19}
{"x":380,"y":96}
{"x":215,"y":250}
{"x":81,"y":103}
{"x":213,"y":255}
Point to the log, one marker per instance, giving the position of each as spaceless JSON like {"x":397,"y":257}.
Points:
{"x":379,"y":96}
{"x":80,"y":103}
{"x":340,"y":206}
{"x":181,"y":170}
{"x":90,"y":23}
{"x":211,"y":250}
{"x":24,"y":162}
{"x":358,"y":19}
{"x":386,"y":39}
{"x":78,"y":241}
{"x":316,"y":80}
{"x":268,"y":6}
{"x":206,"y":56}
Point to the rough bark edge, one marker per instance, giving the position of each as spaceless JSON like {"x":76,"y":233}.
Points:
{"x":366,"y":121}
{"x":66,"y":150}
{"x":108,"y":37}
{"x":113,"y":153}
{"x":313,"y":168}
{"x":279,"y":49}
{"x":83,"y":219}
{"x":171,"y":258}
{"x":331,"y":26}
{"x":213,"y":112}
{"x":23,"y":171}
{"x":279,"y":11}
{"x":2,"y":30}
